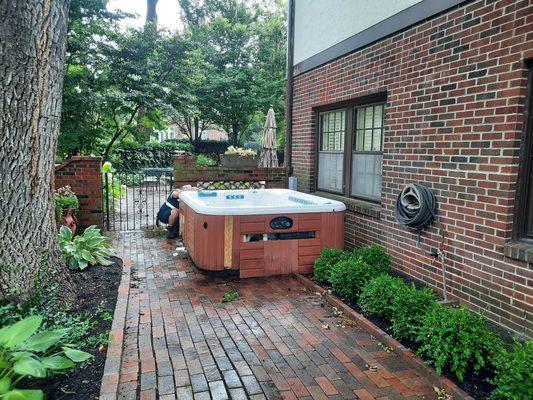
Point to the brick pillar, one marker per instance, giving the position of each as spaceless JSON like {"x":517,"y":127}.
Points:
{"x":84,"y":176}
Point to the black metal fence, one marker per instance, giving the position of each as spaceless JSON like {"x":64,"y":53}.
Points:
{"x":132,"y":199}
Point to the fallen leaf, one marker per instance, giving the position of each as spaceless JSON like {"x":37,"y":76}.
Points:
{"x":385,"y":348}
{"x":337,"y":312}
{"x":441,"y":394}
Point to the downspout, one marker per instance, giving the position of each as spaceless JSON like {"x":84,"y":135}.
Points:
{"x":289,"y":89}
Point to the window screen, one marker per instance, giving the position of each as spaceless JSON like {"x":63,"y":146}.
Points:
{"x":367,"y":152}
{"x":331,"y":154}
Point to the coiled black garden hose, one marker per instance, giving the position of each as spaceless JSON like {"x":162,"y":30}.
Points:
{"x":416,"y":208}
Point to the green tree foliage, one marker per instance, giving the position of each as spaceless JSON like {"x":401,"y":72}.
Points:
{"x":90,"y":29}
{"x":111,"y":74}
{"x":225,"y":70}
{"x":238,"y":62}
{"x":146,"y":70}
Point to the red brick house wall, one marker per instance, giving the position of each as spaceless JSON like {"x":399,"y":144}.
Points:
{"x":84,"y":176}
{"x":456,"y":87}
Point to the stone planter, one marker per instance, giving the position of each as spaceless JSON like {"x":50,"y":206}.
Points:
{"x":236,"y":161}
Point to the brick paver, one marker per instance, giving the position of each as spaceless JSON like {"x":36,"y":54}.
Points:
{"x":277,"y":341}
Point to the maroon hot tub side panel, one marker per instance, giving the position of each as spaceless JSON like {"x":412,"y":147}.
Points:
{"x":216,"y":242}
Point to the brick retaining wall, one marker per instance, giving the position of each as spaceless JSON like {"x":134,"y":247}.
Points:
{"x":187,"y":173}
{"x":456,"y":88}
{"x":83,"y":175}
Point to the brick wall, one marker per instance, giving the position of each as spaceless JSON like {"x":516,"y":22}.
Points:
{"x":83,"y":175}
{"x":187,"y":173}
{"x":456,"y":88}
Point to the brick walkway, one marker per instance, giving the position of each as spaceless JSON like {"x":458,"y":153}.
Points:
{"x":276,"y":341}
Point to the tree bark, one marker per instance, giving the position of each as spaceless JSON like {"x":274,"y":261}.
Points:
{"x":150,"y":23}
{"x":32,"y":51}
{"x":151,"y":11}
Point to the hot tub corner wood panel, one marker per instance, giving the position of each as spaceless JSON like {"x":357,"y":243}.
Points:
{"x":217,"y":242}
{"x":204,"y":238}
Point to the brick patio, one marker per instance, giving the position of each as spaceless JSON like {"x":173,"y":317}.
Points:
{"x":278,"y":340}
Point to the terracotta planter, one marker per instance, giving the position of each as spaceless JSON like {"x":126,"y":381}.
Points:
{"x":236,"y":161}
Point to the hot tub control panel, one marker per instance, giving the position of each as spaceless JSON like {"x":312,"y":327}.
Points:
{"x":281,"y":223}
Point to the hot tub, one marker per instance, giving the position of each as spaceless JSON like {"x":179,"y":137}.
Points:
{"x":259,"y":232}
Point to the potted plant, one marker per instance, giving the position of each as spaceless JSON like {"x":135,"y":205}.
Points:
{"x":237,"y":157}
{"x":66,"y":205}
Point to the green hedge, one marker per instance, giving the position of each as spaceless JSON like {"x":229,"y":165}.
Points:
{"x":514,"y":376}
{"x":409,"y":308}
{"x":131,"y":158}
{"x":328,"y":258}
{"x":378,"y":295}
{"x":349,"y":276}
{"x":454,"y":339}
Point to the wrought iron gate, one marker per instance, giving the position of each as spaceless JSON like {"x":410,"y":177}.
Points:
{"x":132,"y":199}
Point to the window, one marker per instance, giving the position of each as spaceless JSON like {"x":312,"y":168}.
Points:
{"x":524,"y":211}
{"x":331,"y":153}
{"x":367,"y":152}
{"x":350,"y":148}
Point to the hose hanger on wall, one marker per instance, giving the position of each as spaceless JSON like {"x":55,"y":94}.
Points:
{"x":416,"y":208}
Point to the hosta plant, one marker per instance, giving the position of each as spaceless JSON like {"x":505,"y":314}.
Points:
{"x":26,"y":353}
{"x":90,"y":248}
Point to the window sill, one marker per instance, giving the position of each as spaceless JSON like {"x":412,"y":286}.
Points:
{"x":356,"y":205}
{"x":518,"y":250}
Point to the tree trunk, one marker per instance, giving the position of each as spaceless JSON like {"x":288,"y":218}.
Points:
{"x":151,"y":11}
{"x":196,"y":129}
{"x":32,"y":50}
{"x":150,"y":23}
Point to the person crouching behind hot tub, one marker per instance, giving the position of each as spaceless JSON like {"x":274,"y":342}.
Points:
{"x":169,"y":212}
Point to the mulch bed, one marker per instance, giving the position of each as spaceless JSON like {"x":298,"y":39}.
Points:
{"x":475,"y":384}
{"x":95,"y":284}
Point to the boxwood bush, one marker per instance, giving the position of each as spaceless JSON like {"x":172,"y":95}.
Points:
{"x":348,"y":276}
{"x":376,"y":256}
{"x":514,"y":374}
{"x":377,"y":296}
{"x":456,"y":338}
{"x":328,"y":258}
{"x":408,"y":310}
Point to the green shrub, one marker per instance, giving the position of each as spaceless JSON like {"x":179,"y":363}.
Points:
{"x":408,"y":309}
{"x":56,"y":314}
{"x":129,"y":157}
{"x":378,"y":295}
{"x":24,"y":353}
{"x":89,"y":248}
{"x":205,"y":161}
{"x":348,"y":276}
{"x":457,"y":339}
{"x":328,"y":258}
{"x":514,"y":376}
{"x":376,"y":256}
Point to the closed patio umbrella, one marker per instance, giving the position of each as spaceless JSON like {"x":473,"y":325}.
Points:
{"x":269,"y":156}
